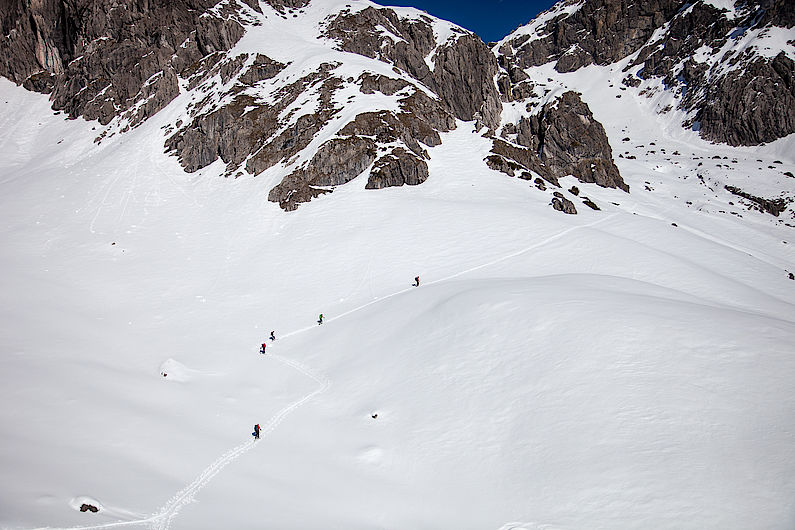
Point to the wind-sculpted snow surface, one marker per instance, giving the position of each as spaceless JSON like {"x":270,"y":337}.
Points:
{"x":629,"y":366}
{"x":164,"y":517}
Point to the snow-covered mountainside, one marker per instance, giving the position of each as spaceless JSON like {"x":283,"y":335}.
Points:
{"x":730,"y":66}
{"x":262,"y":163}
{"x":309,"y":94}
{"x":663,"y":71}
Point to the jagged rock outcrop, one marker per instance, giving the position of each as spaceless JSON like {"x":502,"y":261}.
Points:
{"x":342,"y":159}
{"x":253,"y":135}
{"x":738,"y":98}
{"x":700,"y":24}
{"x":371,"y":83}
{"x":233,"y":131}
{"x":749,"y":106}
{"x":464,"y":80}
{"x":297,"y":136}
{"x":732,"y":92}
{"x":563,"y":138}
{"x":396,"y":169}
{"x":294,"y":190}
{"x":562,"y":204}
{"x":464,"y":67}
{"x":420,"y":121}
{"x":338,"y":161}
{"x":248,"y":130}
{"x":598,"y":32}
{"x":103,"y":58}
{"x":261,"y":69}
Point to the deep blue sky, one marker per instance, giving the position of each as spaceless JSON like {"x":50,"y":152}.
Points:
{"x":490,"y":19}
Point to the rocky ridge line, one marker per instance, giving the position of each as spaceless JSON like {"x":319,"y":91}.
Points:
{"x":734,"y":95}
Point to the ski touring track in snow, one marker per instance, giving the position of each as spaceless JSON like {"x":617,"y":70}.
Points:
{"x":534,"y":246}
{"x":162,"y":519}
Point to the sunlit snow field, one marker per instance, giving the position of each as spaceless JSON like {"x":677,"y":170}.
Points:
{"x":632,"y":367}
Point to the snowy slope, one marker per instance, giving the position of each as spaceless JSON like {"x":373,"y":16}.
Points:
{"x":651,"y":148}
{"x":594,"y":371}
{"x":630,"y":367}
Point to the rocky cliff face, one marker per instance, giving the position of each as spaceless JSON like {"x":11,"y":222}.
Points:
{"x":734,"y":94}
{"x":461,"y":69}
{"x":313,"y":114}
{"x":715,"y":60}
{"x":563,"y":138}
{"x":253,"y":134}
{"x":748,"y":106}
{"x":103,"y":58}
{"x":576,"y":33}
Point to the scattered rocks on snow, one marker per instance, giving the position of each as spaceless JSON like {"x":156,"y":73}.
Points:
{"x":771,"y":206}
{"x":590,"y":204}
{"x":562,"y":204}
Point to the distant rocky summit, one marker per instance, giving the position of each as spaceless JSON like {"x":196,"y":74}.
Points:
{"x":736,"y":89}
